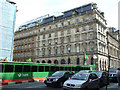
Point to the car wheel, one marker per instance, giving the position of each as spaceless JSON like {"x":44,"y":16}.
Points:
{"x":61,"y":84}
{"x":86,"y":88}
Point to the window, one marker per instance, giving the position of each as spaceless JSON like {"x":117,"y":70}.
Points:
{"x":83,"y":19}
{"x":56,"y":25}
{"x":16,"y":48}
{"x":62,"y":24}
{"x":91,"y":36}
{"x":49,"y":35}
{"x":26,"y":68}
{"x":25,"y":46}
{"x":90,"y":28}
{"x":28,"y":54}
{"x":49,"y":27}
{"x":39,"y":31}
{"x":44,"y":29}
{"x":77,"y":48}
{"x":8,"y":68}
{"x":68,"y":22}
{"x":28,"y":46}
{"x":77,"y":20}
{"x":43,"y":36}
{"x":34,"y":69}
{"x":56,"y":34}
{"x":62,"y":32}
{"x":56,"y":41}
{"x":83,"y":29}
{"x":38,"y":37}
{"x":90,"y":17}
{"x":41,"y":68}
{"x":18,"y":68}
{"x":69,"y":49}
{"x":29,"y":39}
{"x":25,"y":54}
{"x":25,"y":40}
{"x":33,"y":39}
{"x":22,"y":47}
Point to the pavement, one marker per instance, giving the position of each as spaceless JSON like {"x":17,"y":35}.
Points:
{"x":111,"y":86}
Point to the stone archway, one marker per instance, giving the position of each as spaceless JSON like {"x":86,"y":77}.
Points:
{"x":49,"y":61}
{"x":43,"y":61}
{"x":56,"y":62}
{"x":38,"y":62}
{"x":63,"y":61}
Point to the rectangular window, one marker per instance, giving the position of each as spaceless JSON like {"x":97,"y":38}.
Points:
{"x":18,"y":68}
{"x":47,"y":68}
{"x":26,"y":68}
{"x":1,"y":68}
{"x":8,"y":68}
{"x":41,"y":68}
{"x":34,"y":68}
{"x":43,"y":36}
{"x":49,"y":27}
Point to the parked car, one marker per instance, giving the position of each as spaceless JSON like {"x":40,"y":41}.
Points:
{"x":58,"y":78}
{"x":113,"y":74}
{"x":82,"y":81}
{"x":103,"y":77}
{"x":85,"y":71}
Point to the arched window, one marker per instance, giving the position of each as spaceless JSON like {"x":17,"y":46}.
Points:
{"x":43,"y":61}
{"x":56,"y":62}
{"x":49,"y":61}
{"x":78,"y":61}
{"x":38,"y":62}
{"x":63,"y":61}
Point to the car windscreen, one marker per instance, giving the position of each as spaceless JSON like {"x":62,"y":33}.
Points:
{"x":58,"y":73}
{"x":84,"y":71}
{"x":80,"y":76}
{"x":112,"y":70}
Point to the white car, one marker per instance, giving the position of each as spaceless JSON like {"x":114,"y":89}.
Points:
{"x":82,"y":80}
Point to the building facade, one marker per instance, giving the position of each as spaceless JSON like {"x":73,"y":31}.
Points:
{"x":65,"y":39}
{"x":7,"y":22}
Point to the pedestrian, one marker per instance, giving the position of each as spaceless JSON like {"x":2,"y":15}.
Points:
{"x":118,"y":76}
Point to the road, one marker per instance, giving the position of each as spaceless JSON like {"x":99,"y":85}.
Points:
{"x":42,"y":86}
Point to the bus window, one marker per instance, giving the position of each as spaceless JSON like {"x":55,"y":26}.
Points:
{"x":73,"y":69}
{"x":52,"y":68}
{"x":41,"y":68}
{"x":1,"y":68}
{"x":47,"y":68}
{"x":18,"y":68}
{"x":8,"y":68}
{"x":26,"y":68}
{"x":66,"y":68}
{"x":34,"y":69}
{"x":69,"y":68}
{"x":61,"y":68}
{"x":57,"y":69}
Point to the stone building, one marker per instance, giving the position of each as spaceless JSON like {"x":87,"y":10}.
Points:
{"x":65,"y":39}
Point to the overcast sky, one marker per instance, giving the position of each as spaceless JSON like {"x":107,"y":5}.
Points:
{"x":31,"y":9}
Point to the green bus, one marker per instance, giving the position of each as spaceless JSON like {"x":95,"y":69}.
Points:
{"x":24,"y":71}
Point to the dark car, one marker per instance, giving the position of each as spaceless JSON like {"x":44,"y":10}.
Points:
{"x":113,"y":74}
{"x":58,"y":78}
{"x":103,"y":77}
{"x":81,"y":81}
